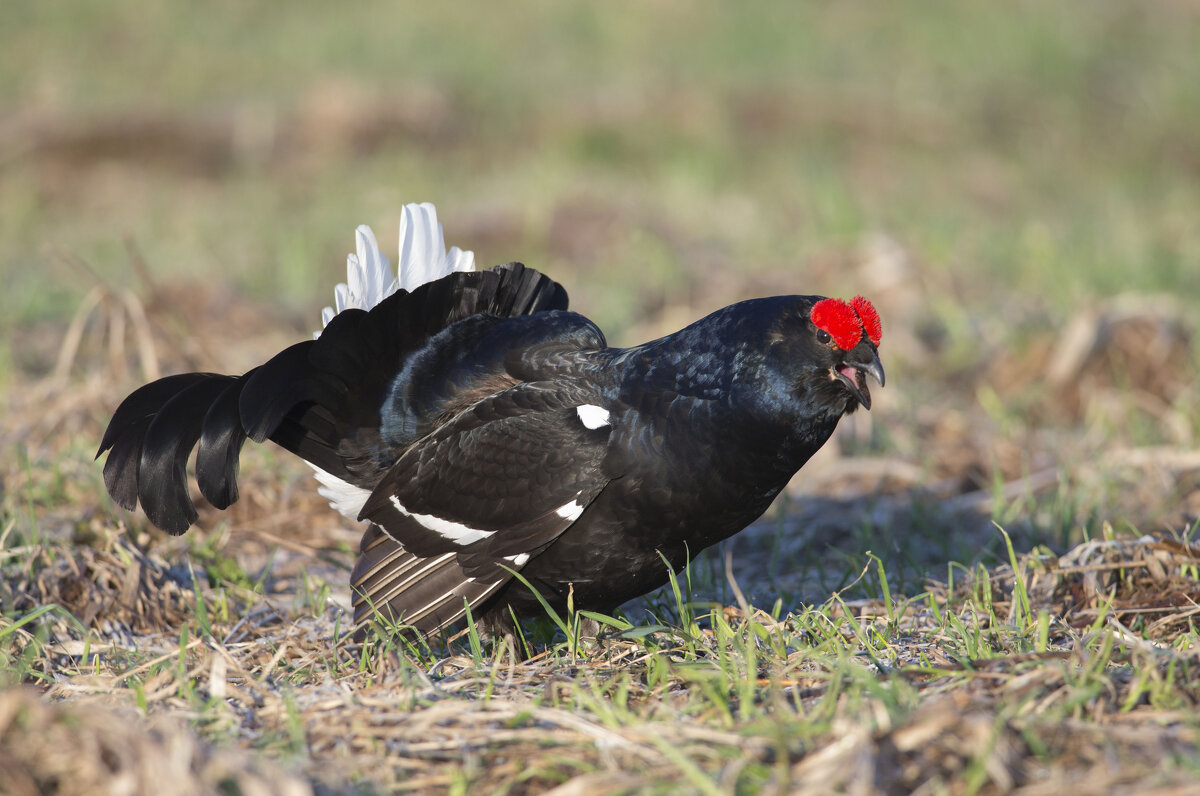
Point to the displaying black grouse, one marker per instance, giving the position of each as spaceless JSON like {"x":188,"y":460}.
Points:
{"x":481,"y":429}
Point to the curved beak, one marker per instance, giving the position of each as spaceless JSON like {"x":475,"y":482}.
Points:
{"x":863,"y":361}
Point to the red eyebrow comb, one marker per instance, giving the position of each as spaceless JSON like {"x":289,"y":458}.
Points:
{"x":870,"y":318}
{"x":838,"y":319}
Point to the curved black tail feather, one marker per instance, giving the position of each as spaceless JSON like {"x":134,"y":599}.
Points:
{"x":320,"y":399}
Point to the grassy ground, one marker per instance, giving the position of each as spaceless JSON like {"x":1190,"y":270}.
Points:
{"x":987,"y":585}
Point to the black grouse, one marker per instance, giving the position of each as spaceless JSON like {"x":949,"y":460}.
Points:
{"x":481,"y":429}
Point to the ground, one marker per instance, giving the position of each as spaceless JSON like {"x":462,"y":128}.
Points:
{"x":987,"y":584}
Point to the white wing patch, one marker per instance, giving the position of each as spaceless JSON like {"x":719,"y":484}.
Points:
{"x":452,"y":531}
{"x":346,"y":498}
{"x":592,"y":416}
{"x":570,"y":511}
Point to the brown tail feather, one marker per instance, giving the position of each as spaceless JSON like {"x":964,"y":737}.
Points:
{"x":427,"y":594}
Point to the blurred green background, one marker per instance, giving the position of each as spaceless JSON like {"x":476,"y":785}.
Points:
{"x":650,"y":156}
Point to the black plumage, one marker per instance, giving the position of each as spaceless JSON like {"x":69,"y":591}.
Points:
{"x":481,"y":429}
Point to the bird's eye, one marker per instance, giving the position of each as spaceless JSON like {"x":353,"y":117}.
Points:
{"x":824,"y":336}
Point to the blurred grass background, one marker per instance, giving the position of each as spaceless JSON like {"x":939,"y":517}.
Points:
{"x":987,"y":172}
{"x":1050,"y":150}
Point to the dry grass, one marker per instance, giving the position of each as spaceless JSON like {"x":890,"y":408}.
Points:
{"x":78,"y":749}
{"x":1039,"y":680}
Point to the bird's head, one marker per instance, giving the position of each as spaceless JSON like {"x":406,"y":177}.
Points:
{"x":847,"y":335}
{"x":820,"y":353}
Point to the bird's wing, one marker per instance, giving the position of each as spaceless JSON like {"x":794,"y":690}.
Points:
{"x":493,"y":468}
{"x":473,"y":501}
{"x":499,"y":481}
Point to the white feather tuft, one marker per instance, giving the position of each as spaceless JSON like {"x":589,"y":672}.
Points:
{"x":423,"y":258}
{"x":345,"y":497}
{"x":423,"y":255}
